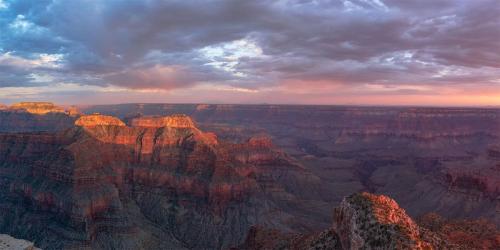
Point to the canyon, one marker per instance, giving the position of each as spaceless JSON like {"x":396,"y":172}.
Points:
{"x":99,"y":183}
{"x":443,"y":160}
{"x":182,"y":176}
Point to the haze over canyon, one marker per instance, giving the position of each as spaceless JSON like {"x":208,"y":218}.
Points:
{"x":229,"y":176}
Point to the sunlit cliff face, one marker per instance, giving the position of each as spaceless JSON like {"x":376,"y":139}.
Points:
{"x":40,"y":108}
{"x":374,"y":52}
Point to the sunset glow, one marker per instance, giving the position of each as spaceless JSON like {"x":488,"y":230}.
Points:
{"x":356,"y":52}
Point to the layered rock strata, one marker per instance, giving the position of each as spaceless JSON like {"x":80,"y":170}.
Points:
{"x":169,"y":186}
{"x":39,"y":108}
{"x":440,"y":160}
{"x":36,"y":116}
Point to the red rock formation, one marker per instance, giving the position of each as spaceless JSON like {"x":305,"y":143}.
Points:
{"x":368,"y":221}
{"x":173,"y":121}
{"x":40,"y":108}
{"x":98,"y":120}
{"x":106,"y":180}
{"x":103,"y":177}
{"x":468,"y":234}
{"x":33,"y":116}
{"x":375,"y":221}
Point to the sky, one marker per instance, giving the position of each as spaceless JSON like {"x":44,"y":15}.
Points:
{"x":346,"y":52}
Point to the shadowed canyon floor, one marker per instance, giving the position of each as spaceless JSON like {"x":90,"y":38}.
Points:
{"x":156,"y":179}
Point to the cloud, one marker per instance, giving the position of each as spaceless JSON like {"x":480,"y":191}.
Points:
{"x":38,"y":61}
{"x":251,"y":45}
{"x":156,"y":77}
{"x":3,"y":5}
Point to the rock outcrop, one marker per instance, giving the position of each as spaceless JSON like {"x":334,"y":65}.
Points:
{"x":369,"y":221}
{"x":8,"y":242}
{"x":377,"y":222}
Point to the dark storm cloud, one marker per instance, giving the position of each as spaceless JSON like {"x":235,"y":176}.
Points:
{"x":163,"y":44}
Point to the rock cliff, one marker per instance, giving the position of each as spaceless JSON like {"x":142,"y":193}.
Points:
{"x":419,"y":156}
{"x":377,"y":222}
{"x":173,"y":186}
{"x":173,"y":121}
{"x":166,"y":182}
{"x":39,"y":108}
{"x":98,"y":120}
{"x":36,"y":116}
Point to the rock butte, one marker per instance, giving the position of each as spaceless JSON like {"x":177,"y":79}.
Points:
{"x":172,"y":121}
{"x":32,"y":116}
{"x":98,"y":120}
{"x":40,"y":108}
{"x":205,"y":194}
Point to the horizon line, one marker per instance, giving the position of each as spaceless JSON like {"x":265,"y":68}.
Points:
{"x":269,"y":104}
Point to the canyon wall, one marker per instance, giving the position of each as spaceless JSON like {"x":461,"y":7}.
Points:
{"x":441,"y":160}
{"x":36,"y":116}
{"x":154,"y":181}
{"x":102,"y":184}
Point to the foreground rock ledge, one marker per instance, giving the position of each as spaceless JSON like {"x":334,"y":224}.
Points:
{"x":376,"y":221}
{"x":361,"y":221}
{"x":8,"y":242}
